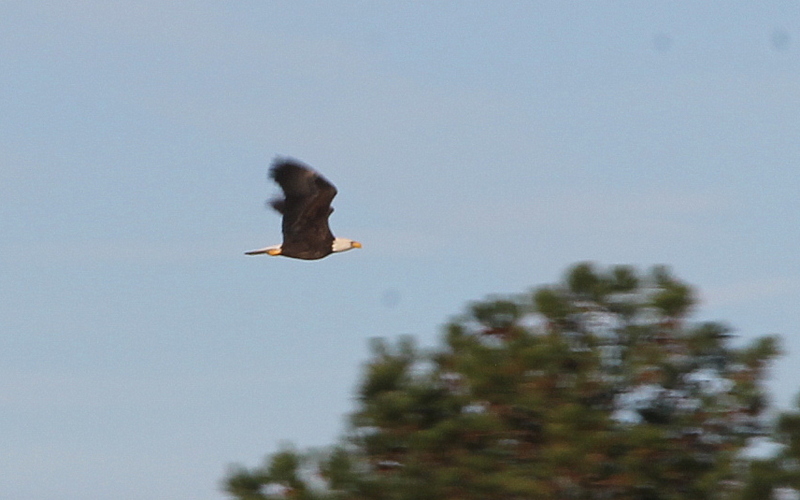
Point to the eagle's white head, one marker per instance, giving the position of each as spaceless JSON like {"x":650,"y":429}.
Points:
{"x":344,"y":244}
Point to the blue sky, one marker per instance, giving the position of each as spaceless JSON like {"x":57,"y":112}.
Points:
{"x":478,"y":147}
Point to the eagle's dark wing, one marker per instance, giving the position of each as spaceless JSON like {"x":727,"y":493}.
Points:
{"x":306,"y":206}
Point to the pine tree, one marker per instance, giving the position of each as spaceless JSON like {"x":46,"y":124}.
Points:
{"x":594,"y":388}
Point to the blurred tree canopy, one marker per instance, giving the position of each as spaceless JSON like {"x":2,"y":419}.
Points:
{"x":594,"y":388}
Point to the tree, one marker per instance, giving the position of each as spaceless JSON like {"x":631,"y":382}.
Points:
{"x":594,"y":388}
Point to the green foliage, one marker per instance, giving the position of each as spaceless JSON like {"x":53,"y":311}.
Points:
{"x":584,"y":282}
{"x":624,"y":279}
{"x":338,"y":470}
{"x":593,"y":388}
{"x":498,"y":314}
{"x":282,"y":471}
{"x":782,"y":471}
{"x":552,"y":304}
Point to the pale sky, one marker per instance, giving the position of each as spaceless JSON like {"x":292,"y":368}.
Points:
{"x":478,"y":147}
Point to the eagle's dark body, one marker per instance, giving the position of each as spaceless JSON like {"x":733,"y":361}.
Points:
{"x":305,"y":206}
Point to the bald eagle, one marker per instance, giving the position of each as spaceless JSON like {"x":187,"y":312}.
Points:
{"x":305,"y":206}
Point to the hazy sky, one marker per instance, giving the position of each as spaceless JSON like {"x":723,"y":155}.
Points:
{"x":478,"y":147}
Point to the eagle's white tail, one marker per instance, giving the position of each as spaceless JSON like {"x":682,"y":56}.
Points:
{"x":272,"y":250}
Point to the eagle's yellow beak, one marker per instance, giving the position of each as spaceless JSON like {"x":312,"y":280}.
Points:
{"x":356,"y":244}
{"x":274,"y":251}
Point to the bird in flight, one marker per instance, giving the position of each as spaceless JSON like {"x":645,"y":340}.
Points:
{"x":305,"y":206}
